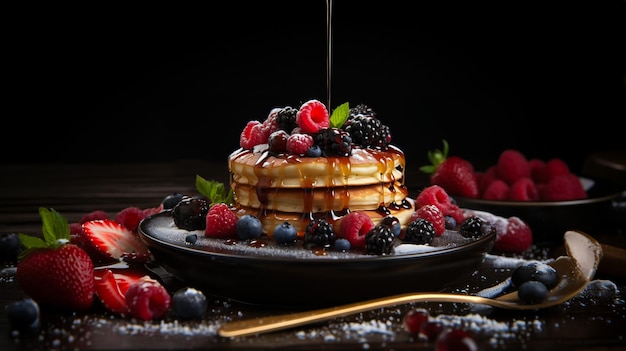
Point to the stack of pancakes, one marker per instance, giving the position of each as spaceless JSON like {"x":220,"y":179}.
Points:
{"x":297,"y":189}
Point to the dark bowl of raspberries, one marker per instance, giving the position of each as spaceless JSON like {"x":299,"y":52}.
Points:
{"x":543,"y":193}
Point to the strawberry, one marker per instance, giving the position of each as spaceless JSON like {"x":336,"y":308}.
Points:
{"x":455,"y":174}
{"x":354,"y":226}
{"x":517,"y":237}
{"x":221,"y":222}
{"x":312,"y":116}
{"x":114,"y":241}
{"x":111,"y":288}
{"x":53,"y":271}
{"x":511,"y":166}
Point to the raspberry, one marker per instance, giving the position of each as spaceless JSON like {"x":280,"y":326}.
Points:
{"x":512,"y":165}
{"x":455,"y":212}
{"x":298,"y":144}
{"x":563,"y":187}
{"x":94,"y":215}
{"x":312,"y":116}
{"x":516,"y":238}
{"x":486,"y":178}
{"x":556,"y":166}
{"x":415,"y":320}
{"x":497,"y":190}
{"x":354,"y":226}
{"x":253,"y":134}
{"x":456,"y":339}
{"x":147,"y":299}
{"x":523,"y":189}
{"x":130,"y":217}
{"x":434,"y":195}
{"x":537,"y":170}
{"x":221,"y":222}
{"x":432,"y":214}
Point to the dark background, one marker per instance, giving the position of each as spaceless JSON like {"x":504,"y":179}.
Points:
{"x":117,"y":82}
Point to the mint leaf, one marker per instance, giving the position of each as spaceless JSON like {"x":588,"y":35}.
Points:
{"x":54,"y":226}
{"x":340,"y":115}
{"x":215,"y":191}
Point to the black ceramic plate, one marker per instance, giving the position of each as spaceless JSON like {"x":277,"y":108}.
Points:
{"x":276,"y":276}
{"x":549,"y":220}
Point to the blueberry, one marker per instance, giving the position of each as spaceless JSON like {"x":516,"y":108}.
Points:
{"x":171,"y":200}
{"x":285,"y":233}
{"x":532,"y":291}
{"x":313,"y":151}
{"x":23,"y":314}
{"x":191,"y":238}
{"x":10,"y":248}
{"x":450,"y":222}
{"x":189,"y":303}
{"x":249,"y":227}
{"x":538,"y":271}
{"x":342,"y":244}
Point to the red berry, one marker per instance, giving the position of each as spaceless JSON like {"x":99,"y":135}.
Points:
{"x":130,"y":217}
{"x":93,"y":215}
{"x":563,"y":187}
{"x":432,"y":329}
{"x":512,"y":165}
{"x":147,"y":299}
{"x":298,"y":144}
{"x":277,"y":141}
{"x":434,"y":215}
{"x":312,"y":116}
{"x":354,"y":226}
{"x":498,"y":190}
{"x":253,"y":134}
{"x":523,"y":189}
{"x":486,"y":178}
{"x":415,"y":320}
{"x":221,"y":222}
{"x":456,"y":175}
{"x":516,"y":238}
{"x":455,"y":340}
{"x":434,"y":195}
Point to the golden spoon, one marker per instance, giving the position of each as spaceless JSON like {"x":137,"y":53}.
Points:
{"x":576,"y":270}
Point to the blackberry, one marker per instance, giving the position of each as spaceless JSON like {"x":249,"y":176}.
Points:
{"x":368,"y":132}
{"x":286,"y":119}
{"x":361,"y":109}
{"x":474,"y":227}
{"x":379,"y":240}
{"x":333,"y":142}
{"x":319,"y":233}
{"x":419,"y":231}
{"x":190,"y":213}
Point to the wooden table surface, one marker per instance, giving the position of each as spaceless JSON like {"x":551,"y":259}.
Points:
{"x":584,"y":323}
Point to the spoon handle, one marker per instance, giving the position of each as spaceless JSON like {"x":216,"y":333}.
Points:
{"x":284,"y":321}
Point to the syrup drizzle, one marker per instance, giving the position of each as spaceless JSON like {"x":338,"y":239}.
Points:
{"x":329,"y":37}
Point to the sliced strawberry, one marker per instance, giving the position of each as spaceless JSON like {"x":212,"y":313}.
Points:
{"x":115,"y":240}
{"x":111,"y":288}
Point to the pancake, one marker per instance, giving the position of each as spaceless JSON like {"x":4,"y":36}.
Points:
{"x":356,"y":169}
